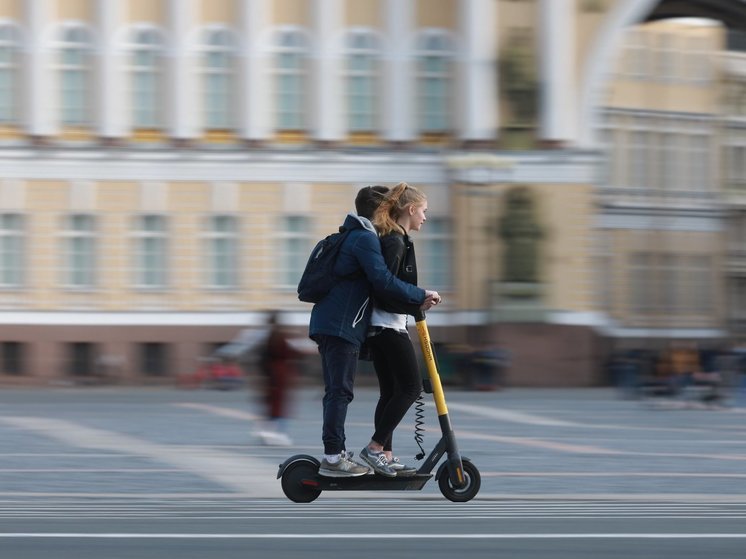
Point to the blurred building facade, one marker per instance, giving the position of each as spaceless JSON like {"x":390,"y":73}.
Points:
{"x":168,"y":164}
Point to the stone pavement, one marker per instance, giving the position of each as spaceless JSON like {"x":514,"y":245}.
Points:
{"x":527,"y":444}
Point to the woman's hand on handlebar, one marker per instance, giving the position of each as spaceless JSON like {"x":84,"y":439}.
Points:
{"x":432,"y":298}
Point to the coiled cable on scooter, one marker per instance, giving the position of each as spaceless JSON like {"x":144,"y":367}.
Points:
{"x":419,"y":421}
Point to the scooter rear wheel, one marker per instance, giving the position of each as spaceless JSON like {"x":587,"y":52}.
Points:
{"x":297,"y":481}
{"x":465,"y":493}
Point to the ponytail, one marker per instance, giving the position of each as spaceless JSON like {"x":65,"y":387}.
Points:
{"x":395,"y":202}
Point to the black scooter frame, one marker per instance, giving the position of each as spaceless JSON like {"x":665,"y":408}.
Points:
{"x":458,"y":478}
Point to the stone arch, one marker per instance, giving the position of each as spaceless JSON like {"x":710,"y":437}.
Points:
{"x":628,"y":12}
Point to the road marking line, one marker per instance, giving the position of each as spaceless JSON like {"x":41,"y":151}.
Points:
{"x":524,"y":418}
{"x":369,"y":536}
{"x":216,"y":410}
{"x":238,"y":473}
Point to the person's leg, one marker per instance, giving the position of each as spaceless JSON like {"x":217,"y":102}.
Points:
{"x":386,"y":381}
{"x":402,"y":364}
{"x":339,"y":362}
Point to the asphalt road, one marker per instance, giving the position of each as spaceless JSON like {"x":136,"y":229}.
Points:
{"x":123,"y":472}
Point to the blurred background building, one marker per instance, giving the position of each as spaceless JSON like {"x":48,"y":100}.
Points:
{"x":166,"y":166}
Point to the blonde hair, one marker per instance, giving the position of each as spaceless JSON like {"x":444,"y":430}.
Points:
{"x":395,"y":203}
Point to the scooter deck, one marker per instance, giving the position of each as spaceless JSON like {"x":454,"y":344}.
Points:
{"x":370,"y":482}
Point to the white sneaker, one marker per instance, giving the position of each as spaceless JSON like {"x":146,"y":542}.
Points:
{"x":344,"y":467}
{"x":401,"y":469}
{"x":377,"y":461}
{"x":272,"y":438}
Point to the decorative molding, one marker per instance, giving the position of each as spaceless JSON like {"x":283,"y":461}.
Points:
{"x":301,"y":167}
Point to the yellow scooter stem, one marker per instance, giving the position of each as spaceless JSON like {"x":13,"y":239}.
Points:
{"x":455,"y":469}
{"x":432,"y":368}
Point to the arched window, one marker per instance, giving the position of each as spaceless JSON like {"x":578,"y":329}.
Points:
{"x":290,"y":76}
{"x":146,"y":67}
{"x":74,"y":60}
{"x":10,"y":49}
{"x":363,"y":68}
{"x":218,"y":79}
{"x":434,"y":82}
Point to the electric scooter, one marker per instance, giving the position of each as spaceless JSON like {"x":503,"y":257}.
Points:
{"x":458,"y":479}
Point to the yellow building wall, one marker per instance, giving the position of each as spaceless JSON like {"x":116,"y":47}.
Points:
{"x":564,"y":211}
{"x":217,"y":11}
{"x":365,"y":13}
{"x":81,"y":10}
{"x":291,"y":12}
{"x":681,"y":243}
{"x":153,"y":11}
{"x":46,"y":203}
{"x":587,"y":26}
{"x":568,"y":211}
{"x":11,"y":9}
{"x":117,"y":204}
{"x":437,"y":13}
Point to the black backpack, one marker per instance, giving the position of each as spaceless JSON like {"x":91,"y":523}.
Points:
{"x":318,"y":277}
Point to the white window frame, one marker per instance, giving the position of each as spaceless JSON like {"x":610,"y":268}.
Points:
{"x":363,"y":65}
{"x":290,"y":45}
{"x":10,"y":59}
{"x":222,"y":247}
{"x":148,"y":42}
{"x":293,"y":248}
{"x":435,"y":107}
{"x":74,"y":64}
{"x":12,"y":249}
{"x":151,"y":251}
{"x":435,"y":270}
{"x":218,"y":67}
{"x":79,"y":243}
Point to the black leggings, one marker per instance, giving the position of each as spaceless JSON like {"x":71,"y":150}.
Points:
{"x":399,"y":381}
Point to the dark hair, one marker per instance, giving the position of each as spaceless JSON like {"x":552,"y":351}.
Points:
{"x":368,"y":198}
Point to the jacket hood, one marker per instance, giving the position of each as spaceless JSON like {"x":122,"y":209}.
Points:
{"x":354,"y":221}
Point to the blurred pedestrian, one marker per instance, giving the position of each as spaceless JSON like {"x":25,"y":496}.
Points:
{"x":489,"y":362}
{"x":279,"y":369}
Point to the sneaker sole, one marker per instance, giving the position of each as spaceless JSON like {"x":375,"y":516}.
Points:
{"x":406,"y":473}
{"x":375,"y":469}
{"x":337,"y":473}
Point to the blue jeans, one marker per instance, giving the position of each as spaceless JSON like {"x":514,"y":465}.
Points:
{"x":339,"y":363}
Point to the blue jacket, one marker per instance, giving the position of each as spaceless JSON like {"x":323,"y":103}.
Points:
{"x":345,"y":311}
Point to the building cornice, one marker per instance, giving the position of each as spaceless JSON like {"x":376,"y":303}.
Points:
{"x":417,"y":166}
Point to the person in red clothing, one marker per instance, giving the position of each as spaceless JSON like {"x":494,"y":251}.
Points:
{"x":278,"y":364}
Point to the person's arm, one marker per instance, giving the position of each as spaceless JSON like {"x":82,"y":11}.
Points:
{"x":394,"y":250}
{"x":367,"y":251}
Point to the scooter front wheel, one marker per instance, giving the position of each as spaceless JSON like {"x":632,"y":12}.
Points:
{"x":468,"y":491}
{"x":300,"y":481}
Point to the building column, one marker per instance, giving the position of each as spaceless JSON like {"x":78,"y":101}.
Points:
{"x":477,"y":116}
{"x":113,"y":114}
{"x":41,"y":75}
{"x":559,"y":111}
{"x":255,"y":102}
{"x":327,"y":117}
{"x":398,"y":85}
{"x":184,"y":109}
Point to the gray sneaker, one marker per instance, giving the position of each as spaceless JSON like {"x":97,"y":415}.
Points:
{"x":401,"y":469}
{"x":377,"y":461}
{"x":344,"y":467}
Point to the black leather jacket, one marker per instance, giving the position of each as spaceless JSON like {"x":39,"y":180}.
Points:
{"x":398,"y":253}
